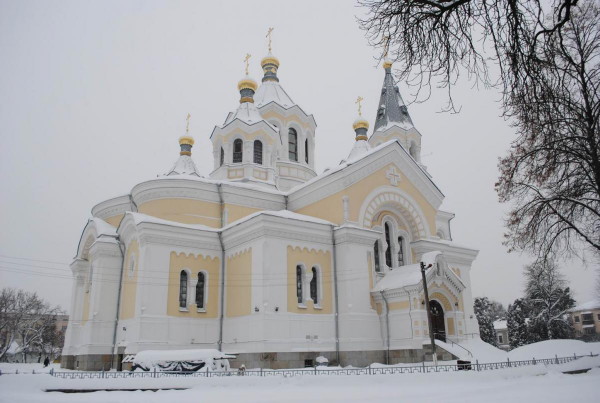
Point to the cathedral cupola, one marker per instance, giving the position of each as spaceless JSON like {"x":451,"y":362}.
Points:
{"x":247,"y":86}
{"x":184,"y":164}
{"x":360,"y":126}
{"x":270,"y":63}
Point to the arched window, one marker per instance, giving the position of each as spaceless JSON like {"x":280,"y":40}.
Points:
{"x":314,"y":286}
{"x":401,"y":259}
{"x":388,"y":246}
{"x":299,"y":287}
{"x":237,"y":150}
{"x":306,"y":150}
{"x":257,"y":152}
{"x":183,"y":286}
{"x":376,"y":255}
{"x":222,"y":157}
{"x":293,"y":145}
{"x":200,"y":287}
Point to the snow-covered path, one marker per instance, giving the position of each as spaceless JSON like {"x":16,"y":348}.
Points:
{"x":525,"y":384}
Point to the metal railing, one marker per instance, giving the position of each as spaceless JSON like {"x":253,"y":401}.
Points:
{"x":370,"y":370}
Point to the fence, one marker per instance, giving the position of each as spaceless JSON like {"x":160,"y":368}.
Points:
{"x":371,"y":370}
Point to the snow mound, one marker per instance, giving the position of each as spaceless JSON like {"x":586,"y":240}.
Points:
{"x":551,"y":348}
{"x":478,"y":349}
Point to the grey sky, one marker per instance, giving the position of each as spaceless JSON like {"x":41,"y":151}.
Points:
{"x":94,"y":94}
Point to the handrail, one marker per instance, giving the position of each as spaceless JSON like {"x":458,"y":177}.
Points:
{"x":453,"y":343}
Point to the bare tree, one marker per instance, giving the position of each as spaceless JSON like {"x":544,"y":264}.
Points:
{"x":434,"y":40}
{"x":24,"y":317}
{"x":552,"y":172}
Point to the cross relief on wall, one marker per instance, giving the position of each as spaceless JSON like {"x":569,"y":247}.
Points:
{"x":392,"y":175}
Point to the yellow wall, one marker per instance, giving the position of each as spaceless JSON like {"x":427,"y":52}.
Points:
{"x":129,"y":288}
{"x":115,"y":220}
{"x":239,"y":284}
{"x":451,"y":330}
{"x":186,"y":211}
{"x":310,"y":258}
{"x":235,"y":212}
{"x":330,"y":208}
{"x":194,"y":264}
{"x":398,"y":305}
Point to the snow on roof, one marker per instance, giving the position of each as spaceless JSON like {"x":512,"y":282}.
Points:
{"x":141,"y":218}
{"x":359,"y":148}
{"x":400,"y":277}
{"x":500,"y":325}
{"x":103,"y":227}
{"x":149,"y":357}
{"x":593,"y":304}
{"x":184,"y":166}
{"x":248,"y":113}
{"x":272,"y":91}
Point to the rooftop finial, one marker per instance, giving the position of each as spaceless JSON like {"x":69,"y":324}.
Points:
{"x":358,"y":101}
{"x":247,"y":61}
{"x":387,"y":63}
{"x":269,"y":34}
{"x":187,"y":123}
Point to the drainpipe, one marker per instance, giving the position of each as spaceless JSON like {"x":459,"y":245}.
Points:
{"x":387,"y":328}
{"x":220,"y":235}
{"x":335,"y":293}
{"x":121,"y":248}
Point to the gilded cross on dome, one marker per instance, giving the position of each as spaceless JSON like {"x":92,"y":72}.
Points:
{"x":358,"y":101}
{"x":386,"y":47}
{"x":187,"y":123}
{"x":247,"y":60}
{"x":392,"y":175}
{"x":269,"y":34}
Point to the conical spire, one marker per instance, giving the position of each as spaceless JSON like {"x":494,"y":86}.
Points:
{"x":392,"y":109}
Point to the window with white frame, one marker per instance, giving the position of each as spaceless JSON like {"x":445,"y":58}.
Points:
{"x":401,"y":258}
{"x":183,"y":289}
{"x":376,"y":256}
{"x":258,"y":152}
{"x":293,"y":144}
{"x":314,"y":286}
{"x":238,"y":150}
{"x":299,"y":285}
{"x":396,"y":244}
{"x":388,"y":245}
{"x":201,"y":291}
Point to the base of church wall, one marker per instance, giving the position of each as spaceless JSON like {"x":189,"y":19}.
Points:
{"x":89,"y":362}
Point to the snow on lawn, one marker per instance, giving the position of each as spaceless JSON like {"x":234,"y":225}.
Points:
{"x":532,"y":384}
{"x":550,"y":348}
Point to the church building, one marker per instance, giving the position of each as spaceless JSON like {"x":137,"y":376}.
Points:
{"x":267,"y":260}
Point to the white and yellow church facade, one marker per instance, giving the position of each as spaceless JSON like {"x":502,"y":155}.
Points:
{"x":269,"y":261}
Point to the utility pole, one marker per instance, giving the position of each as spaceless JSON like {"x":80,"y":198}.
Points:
{"x":429,"y":321}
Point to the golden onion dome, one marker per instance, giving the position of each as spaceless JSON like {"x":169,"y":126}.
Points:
{"x":247,"y":83}
{"x":360,"y":123}
{"x":187,"y":140}
{"x":387,"y":63}
{"x":269,"y":59}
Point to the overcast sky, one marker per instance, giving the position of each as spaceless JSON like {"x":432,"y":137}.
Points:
{"x":94,"y":95}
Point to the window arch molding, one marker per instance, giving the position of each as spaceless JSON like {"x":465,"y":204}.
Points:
{"x":300,"y":135}
{"x":202,"y":307}
{"x":315,"y":282}
{"x":184,"y":292}
{"x":394,"y":245}
{"x":237,"y":150}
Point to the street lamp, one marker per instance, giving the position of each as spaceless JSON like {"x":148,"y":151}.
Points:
{"x":431,"y":335}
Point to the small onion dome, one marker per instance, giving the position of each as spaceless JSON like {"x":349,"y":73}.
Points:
{"x":387,"y":63}
{"x":186,"y":143}
{"x":270,"y":64}
{"x":247,"y":87}
{"x":360,"y":127}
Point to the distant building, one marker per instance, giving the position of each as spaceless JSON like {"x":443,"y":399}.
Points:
{"x":586,"y":320}
{"x":502,"y":334}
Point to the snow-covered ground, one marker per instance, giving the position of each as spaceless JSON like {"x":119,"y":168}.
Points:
{"x":531,"y":384}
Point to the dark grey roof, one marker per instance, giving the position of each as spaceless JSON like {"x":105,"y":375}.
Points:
{"x":391,"y":108}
